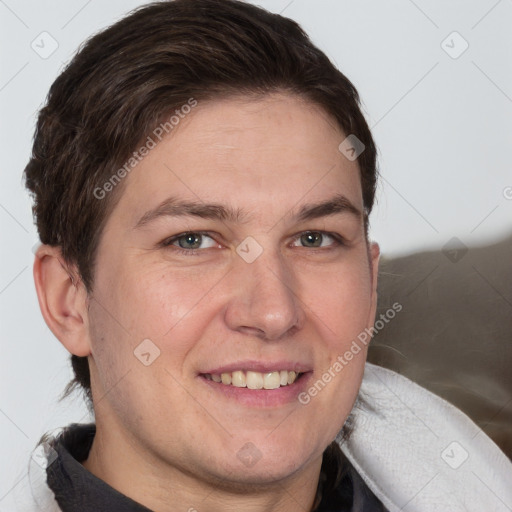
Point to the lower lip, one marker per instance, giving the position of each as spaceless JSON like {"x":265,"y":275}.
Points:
{"x":261,"y":397}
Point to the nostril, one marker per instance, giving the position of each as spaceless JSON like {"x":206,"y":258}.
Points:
{"x":253,"y":331}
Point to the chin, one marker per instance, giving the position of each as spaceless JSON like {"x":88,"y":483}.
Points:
{"x":262,"y":473}
{"x":264,"y":462}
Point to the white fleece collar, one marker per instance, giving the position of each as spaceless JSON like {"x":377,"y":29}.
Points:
{"x":418,"y":453}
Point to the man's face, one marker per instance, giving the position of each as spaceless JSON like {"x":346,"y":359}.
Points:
{"x":262,"y":281}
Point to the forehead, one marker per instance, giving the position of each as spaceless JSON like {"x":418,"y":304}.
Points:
{"x":263,"y":155}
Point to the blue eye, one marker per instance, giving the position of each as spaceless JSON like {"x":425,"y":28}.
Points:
{"x":317,"y":239}
{"x":191,"y":241}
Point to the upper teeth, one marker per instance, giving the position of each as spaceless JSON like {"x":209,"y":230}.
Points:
{"x":255,"y":380}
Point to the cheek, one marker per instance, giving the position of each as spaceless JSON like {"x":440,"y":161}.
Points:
{"x":340,"y":299}
{"x":340,"y":303}
{"x":161,"y":299}
{"x":162,"y":309}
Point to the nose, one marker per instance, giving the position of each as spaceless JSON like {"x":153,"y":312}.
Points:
{"x":263,"y":298}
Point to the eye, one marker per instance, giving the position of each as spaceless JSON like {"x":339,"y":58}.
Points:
{"x":191,"y":241}
{"x":316,"y":239}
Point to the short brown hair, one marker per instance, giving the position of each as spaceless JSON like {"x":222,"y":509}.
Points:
{"x":122,"y":82}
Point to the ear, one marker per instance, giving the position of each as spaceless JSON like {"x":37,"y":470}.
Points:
{"x":374,"y":257}
{"x":63,"y":300}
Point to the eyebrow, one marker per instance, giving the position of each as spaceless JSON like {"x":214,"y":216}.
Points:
{"x":173,"y":207}
{"x":337,"y":204}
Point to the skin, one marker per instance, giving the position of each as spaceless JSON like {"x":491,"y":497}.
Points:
{"x":164,"y":438}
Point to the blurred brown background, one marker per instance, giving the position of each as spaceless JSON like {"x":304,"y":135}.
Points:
{"x":454,"y":334}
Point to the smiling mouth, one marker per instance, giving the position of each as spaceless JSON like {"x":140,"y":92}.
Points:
{"x":255,"y":380}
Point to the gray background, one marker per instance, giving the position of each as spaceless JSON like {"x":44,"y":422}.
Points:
{"x":442,"y":122}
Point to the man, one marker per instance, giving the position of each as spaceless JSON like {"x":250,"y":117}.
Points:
{"x":202,"y":178}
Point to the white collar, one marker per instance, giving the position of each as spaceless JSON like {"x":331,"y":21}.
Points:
{"x":418,"y":453}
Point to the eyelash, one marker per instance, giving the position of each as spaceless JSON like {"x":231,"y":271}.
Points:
{"x":339,"y":241}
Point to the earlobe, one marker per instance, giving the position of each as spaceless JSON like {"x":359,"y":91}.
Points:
{"x":62,"y":299}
